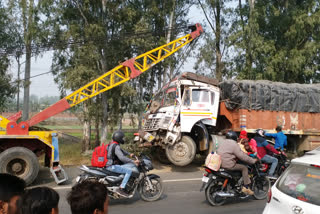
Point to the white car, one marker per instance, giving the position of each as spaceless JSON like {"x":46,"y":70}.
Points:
{"x":297,"y":191}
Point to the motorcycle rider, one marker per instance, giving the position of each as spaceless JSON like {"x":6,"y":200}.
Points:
{"x":229,"y":151}
{"x":116,"y":156}
{"x":281,"y":139}
{"x":262,"y":147}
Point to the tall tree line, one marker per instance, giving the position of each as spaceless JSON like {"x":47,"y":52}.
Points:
{"x":104,"y":34}
{"x":252,"y":39}
{"x":274,"y":40}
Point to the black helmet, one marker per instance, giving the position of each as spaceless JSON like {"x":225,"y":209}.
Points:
{"x":260,"y":132}
{"x":232,"y":135}
{"x":118,"y":136}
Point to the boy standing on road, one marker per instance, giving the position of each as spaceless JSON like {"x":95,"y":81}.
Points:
{"x":11,"y":188}
{"x":89,"y":197}
{"x":40,"y":200}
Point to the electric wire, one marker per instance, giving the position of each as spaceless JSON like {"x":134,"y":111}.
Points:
{"x":138,"y":34}
{"x":64,"y":44}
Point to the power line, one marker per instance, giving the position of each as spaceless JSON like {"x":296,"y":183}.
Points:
{"x":176,"y":30}
{"x":57,"y":45}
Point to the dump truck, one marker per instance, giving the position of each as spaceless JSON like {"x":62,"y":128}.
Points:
{"x":187,"y":115}
{"x":21,"y":143}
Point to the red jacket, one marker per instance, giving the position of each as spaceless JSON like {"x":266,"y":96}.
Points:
{"x":262,"y":147}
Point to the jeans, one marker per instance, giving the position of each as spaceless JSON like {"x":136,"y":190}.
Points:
{"x":122,"y":170}
{"x":131,"y":166}
{"x":273,"y":161}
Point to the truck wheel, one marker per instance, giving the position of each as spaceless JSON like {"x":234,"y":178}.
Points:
{"x":20,"y":162}
{"x":182,"y":152}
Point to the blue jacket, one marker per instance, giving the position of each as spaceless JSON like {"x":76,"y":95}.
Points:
{"x":281,"y":139}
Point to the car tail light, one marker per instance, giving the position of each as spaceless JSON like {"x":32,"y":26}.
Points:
{"x":269,"y":196}
{"x":315,"y":165}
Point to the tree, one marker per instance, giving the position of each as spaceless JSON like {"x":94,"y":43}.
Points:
{"x":212,"y":55}
{"x":7,"y":41}
{"x":97,"y":48}
{"x":293,"y":29}
{"x":108,"y":32}
{"x":278,"y":40}
{"x":274,"y":40}
{"x":27,"y":15}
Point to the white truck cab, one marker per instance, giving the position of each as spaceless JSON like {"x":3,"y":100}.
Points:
{"x":179,"y":118}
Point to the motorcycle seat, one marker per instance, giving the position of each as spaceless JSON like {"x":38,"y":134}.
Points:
{"x":104,"y":171}
{"x":110,"y":173}
{"x":231,"y":172}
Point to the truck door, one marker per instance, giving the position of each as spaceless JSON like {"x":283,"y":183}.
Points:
{"x":196,"y":106}
{"x":214,"y":106}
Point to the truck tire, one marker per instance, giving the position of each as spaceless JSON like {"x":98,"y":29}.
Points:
{"x":21,"y":162}
{"x":182,"y":152}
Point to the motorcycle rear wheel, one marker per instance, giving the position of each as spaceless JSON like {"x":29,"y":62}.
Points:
{"x":260,"y":187}
{"x":146,"y":193}
{"x":211,"y":195}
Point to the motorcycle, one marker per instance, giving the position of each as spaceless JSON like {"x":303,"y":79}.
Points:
{"x":283,"y":164}
{"x":222,"y":184}
{"x":149,"y":186}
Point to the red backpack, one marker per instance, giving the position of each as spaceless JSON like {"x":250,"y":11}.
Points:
{"x":100,"y":155}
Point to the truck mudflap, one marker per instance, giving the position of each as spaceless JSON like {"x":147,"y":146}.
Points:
{"x":58,"y":174}
{"x":56,"y":169}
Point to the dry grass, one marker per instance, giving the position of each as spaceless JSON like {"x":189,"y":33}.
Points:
{"x":70,"y":154}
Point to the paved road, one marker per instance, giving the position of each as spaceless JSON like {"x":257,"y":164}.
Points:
{"x":181,"y":196}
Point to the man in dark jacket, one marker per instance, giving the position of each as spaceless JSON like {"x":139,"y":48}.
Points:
{"x":116,"y":155}
{"x":230,"y":152}
{"x":262,"y":147}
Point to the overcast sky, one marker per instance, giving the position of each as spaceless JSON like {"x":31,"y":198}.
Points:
{"x":44,"y":85}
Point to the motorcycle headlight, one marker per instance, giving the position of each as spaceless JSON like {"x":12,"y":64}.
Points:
{"x":148,"y":164}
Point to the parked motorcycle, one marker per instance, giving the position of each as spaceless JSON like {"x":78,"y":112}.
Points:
{"x":222,"y":184}
{"x":149,"y":186}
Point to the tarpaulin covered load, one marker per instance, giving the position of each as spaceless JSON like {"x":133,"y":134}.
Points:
{"x":272,"y":96}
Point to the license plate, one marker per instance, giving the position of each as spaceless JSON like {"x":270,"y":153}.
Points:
{"x":205,"y":179}
{"x":149,"y":137}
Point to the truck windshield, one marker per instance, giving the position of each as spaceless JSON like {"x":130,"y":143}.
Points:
{"x":158,"y":97}
{"x":170,"y":97}
{"x":301,"y":182}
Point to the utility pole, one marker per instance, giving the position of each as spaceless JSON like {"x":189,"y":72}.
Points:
{"x":18,"y":97}
{"x":18,"y":86}
{"x":167,"y":70}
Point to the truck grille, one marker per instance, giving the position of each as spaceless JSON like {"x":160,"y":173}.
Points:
{"x":152,"y":124}
{"x":166,"y":120}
